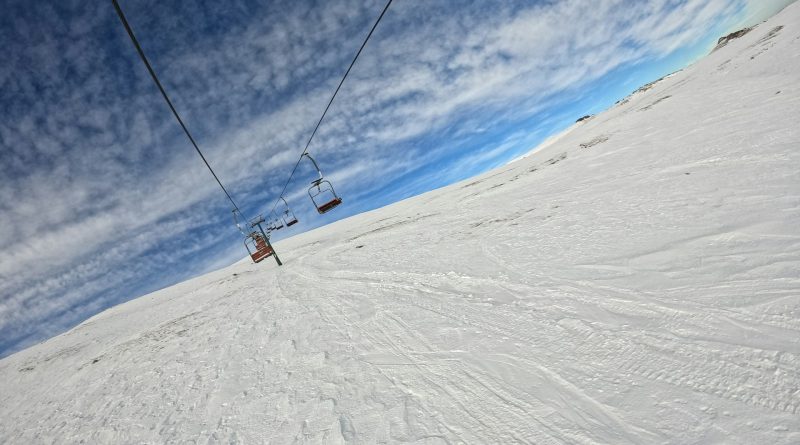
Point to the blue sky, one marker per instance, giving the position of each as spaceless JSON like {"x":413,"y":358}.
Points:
{"x":102,"y":198}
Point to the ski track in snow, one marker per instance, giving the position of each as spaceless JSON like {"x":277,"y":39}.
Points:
{"x":635,"y":281}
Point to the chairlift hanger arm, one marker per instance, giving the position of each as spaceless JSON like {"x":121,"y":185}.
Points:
{"x":319,"y":172}
{"x":240,"y":222}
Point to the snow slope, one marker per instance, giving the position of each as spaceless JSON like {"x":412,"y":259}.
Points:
{"x":636,"y":281}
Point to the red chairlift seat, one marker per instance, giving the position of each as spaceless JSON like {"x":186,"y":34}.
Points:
{"x":329,"y":205}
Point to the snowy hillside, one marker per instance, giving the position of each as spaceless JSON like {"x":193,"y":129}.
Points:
{"x":635,"y":281}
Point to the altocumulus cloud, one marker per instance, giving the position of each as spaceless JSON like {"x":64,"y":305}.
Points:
{"x":102,"y":199}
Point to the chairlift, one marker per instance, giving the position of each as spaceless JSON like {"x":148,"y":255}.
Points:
{"x":258,"y":246}
{"x":321,"y":191}
{"x":288,"y":216}
{"x":277,"y":221}
{"x":270,"y":226}
{"x":255,"y":240}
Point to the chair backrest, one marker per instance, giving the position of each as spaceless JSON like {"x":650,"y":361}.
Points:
{"x":261,"y":248}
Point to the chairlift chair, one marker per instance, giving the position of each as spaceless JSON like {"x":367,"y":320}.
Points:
{"x":323,"y":196}
{"x":277,"y":221}
{"x":288,"y":216}
{"x":255,"y":240}
{"x":321,"y":191}
{"x":258,"y":246}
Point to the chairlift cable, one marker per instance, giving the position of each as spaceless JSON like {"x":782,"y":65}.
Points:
{"x":330,"y":102}
{"x":166,"y":98}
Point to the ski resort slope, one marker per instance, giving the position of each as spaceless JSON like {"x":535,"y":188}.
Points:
{"x":636,"y":281}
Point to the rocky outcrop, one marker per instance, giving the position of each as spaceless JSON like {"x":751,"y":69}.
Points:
{"x":734,"y":35}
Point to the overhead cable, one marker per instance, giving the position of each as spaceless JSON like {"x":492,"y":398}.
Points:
{"x":166,"y":98}
{"x":330,"y":102}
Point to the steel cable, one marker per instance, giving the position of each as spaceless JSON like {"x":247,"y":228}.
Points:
{"x":330,"y":102}
{"x":166,"y":98}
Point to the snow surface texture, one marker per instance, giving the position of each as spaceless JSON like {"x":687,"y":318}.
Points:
{"x":636,"y":281}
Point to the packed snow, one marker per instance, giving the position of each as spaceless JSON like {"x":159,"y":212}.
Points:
{"x":635,"y":281}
